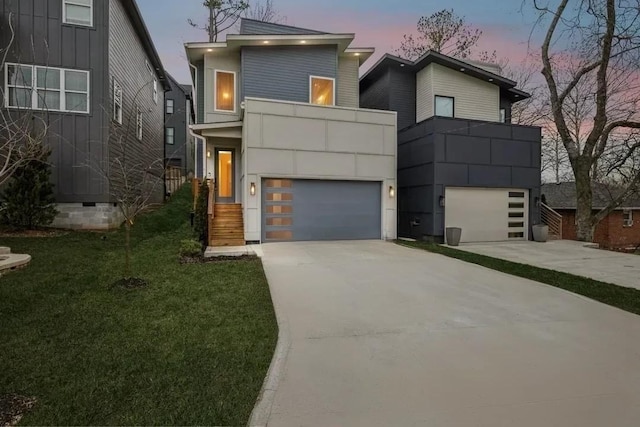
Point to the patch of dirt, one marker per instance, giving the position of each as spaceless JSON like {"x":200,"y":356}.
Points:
{"x":13,"y":408}
{"x":130,"y":283}
{"x":32,"y":233}
{"x":190,"y":260}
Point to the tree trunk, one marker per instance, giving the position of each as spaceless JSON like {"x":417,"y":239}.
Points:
{"x":127,"y":249}
{"x":212,"y":26}
{"x":584,"y":195}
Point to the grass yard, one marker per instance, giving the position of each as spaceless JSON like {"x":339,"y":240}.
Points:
{"x":627,"y":299}
{"x":191,"y":348}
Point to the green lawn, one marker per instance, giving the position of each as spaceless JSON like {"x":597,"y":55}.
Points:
{"x":191,"y":348}
{"x":627,"y":299}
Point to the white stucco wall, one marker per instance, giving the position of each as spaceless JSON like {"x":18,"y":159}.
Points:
{"x":294,"y":140}
{"x":474,"y":99}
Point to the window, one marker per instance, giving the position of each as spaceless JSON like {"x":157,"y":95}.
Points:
{"x":225,"y":91}
{"x":77,"y":12}
{"x":117,"y":102}
{"x":169,"y":106}
{"x":139,"y":123}
{"x":503,"y":115}
{"x":155,"y":90}
{"x":627,"y":216}
{"x":46,"y":88}
{"x":169,"y":135}
{"x":322,"y":91}
{"x":444,"y":106}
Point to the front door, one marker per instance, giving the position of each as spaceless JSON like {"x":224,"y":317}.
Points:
{"x":225,"y":175}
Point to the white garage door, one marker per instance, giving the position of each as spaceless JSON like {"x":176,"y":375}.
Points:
{"x":488,"y":214}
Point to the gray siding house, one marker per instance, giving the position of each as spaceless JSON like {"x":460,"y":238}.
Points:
{"x":93,"y":73}
{"x":461,"y":163}
{"x":179,"y":115}
{"x":287,"y":148}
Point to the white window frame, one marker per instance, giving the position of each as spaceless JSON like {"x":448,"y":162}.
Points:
{"x":173,"y":135}
{"x":215,"y":91}
{"x":627,"y":222}
{"x":139,"y":125}
{"x":117,"y":88}
{"x":34,"y":93}
{"x":166,"y":107}
{"x":75,"y":3}
{"x":333,"y":80}
{"x":435,"y":106}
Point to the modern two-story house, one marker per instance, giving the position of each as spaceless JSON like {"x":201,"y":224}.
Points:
{"x":90,"y":69}
{"x":290,"y":152}
{"x":461,"y":163}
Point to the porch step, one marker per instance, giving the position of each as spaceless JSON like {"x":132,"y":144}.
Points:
{"x":227,"y":226}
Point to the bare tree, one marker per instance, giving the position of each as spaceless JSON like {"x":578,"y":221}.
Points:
{"x":590,"y":59}
{"x":223,"y":14}
{"x":263,"y":11}
{"x":443,"y":32}
{"x":22,"y":131}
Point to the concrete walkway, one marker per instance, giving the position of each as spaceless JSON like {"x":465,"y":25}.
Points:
{"x":376,"y":334}
{"x":567,"y":256}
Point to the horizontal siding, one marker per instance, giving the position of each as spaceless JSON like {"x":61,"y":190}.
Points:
{"x":424,"y":94}
{"x":347,"y":85}
{"x":474,"y":98}
{"x":250,"y":27}
{"x":282,"y":73}
{"x":212,"y":63}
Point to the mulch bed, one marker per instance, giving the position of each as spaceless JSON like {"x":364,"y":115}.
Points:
{"x":130,"y":283}
{"x":13,"y":408}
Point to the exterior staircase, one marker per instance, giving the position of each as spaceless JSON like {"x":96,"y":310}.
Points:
{"x":226,"y":226}
{"x":553,"y":220}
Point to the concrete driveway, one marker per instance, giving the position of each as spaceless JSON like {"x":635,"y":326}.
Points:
{"x":567,"y":256}
{"x":381,"y":335}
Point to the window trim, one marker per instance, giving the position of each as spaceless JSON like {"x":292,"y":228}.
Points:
{"x":215,"y":91}
{"x":435,"y":104}
{"x":139,"y":125}
{"x":34,"y":88}
{"x":75,"y":3}
{"x":166,"y":106}
{"x":627,"y":223}
{"x":116,"y":87}
{"x":333,"y":81}
{"x":173,"y":135}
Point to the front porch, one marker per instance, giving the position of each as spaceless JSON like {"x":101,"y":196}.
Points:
{"x":225,"y":222}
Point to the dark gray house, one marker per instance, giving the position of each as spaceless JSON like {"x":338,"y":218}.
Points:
{"x":461,"y":163}
{"x":179,"y":114}
{"x":94,"y":74}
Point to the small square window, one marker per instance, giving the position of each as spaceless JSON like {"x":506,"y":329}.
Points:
{"x":627,"y":216}
{"x":77,"y":12}
{"x":445,"y":106}
{"x":322,"y":91}
{"x":169,"y":106}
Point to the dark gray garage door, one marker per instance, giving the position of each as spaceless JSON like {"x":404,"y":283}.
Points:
{"x":300,"y":209}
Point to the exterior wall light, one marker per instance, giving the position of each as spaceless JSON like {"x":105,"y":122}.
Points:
{"x":208,"y":154}
{"x":252,"y":189}
{"x":392,"y":191}
{"x":441,"y":201}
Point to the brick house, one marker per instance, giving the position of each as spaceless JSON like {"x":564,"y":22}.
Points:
{"x":619,"y":230}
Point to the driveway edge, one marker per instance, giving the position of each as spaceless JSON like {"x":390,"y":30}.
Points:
{"x":262,"y":409}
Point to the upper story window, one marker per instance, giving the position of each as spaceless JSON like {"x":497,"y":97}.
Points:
{"x":322,"y":91}
{"x":225,"y":91}
{"x":170,"y":135}
{"x":117,"y":101}
{"x":627,"y":217}
{"x":444,"y":106}
{"x":46,"y":88}
{"x":503,"y":115}
{"x":155,"y":90}
{"x":169,"y":106}
{"x":77,"y":12}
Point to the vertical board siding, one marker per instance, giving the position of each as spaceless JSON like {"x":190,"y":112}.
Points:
{"x":347,"y":86}
{"x":282,"y":73}
{"x":128,"y":64}
{"x":77,"y":141}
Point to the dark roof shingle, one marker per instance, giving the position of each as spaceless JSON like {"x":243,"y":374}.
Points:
{"x":563,"y":196}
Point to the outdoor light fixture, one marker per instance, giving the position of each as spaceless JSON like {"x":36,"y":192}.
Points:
{"x":252,"y":189}
{"x":357,"y":54}
{"x":209,"y":50}
{"x":392,"y":192}
{"x":303,"y":41}
{"x":208,"y":154}
{"x":441,"y":200}
{"x":266,"y":42}
{"x":462,"y":69}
